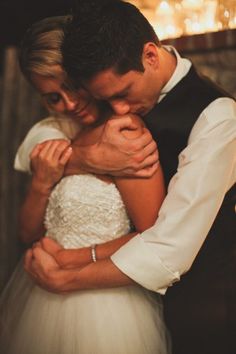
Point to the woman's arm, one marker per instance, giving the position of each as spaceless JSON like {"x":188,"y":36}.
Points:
{"x":48,"y":160}
{"x":142,"y":197}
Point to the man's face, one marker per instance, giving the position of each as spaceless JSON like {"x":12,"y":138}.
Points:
{"x":134,"y":92}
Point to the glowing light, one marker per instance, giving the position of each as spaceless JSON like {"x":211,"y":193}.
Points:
{"x":174,"y":18}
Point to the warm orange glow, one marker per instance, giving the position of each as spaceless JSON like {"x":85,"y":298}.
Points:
{"x":172,"y":19}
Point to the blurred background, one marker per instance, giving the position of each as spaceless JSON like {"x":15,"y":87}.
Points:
{"x":202,"y":30}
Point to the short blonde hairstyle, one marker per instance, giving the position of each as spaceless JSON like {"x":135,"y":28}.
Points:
{"x":40,"y":49}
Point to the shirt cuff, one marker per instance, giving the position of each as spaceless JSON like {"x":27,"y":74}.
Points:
{"x":140,"y":262}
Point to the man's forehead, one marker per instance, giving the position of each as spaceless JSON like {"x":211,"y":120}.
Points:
{"x":108,"y":83}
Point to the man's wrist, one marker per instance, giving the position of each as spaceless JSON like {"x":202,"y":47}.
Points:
{"x":78,"y":160}
{"x":90,"y":158}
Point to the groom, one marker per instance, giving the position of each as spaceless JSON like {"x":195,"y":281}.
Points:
{"x":116,"y":55}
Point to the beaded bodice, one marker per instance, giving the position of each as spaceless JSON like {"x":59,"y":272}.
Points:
{"x":83,"y":210}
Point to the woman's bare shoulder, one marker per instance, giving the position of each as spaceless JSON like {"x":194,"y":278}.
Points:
{"x":135,"y":128}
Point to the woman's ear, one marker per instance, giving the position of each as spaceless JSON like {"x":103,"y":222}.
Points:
{"x":150,"y":54}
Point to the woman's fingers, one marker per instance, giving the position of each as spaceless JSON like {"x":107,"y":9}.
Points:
{"x":65,"y":156}
{"x":35,"y":151}
{"x":58,"y":149}
{"x":52,"y":153}
{"x":50,"y":246}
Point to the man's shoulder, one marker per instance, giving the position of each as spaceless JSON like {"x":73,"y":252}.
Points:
{"x":221,"y":109}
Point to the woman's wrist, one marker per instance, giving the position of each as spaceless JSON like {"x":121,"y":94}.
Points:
{"x":41,"y":188}
{"x":73,"y":258}
{"x":93,"y":253}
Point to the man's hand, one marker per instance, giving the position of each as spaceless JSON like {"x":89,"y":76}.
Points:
{"x":117,"y":155}
{"x":45,"y":271}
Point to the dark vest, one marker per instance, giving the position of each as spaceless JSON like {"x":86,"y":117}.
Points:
{"x":206,"y":295}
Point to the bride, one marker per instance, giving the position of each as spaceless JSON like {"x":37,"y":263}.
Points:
{"x":79,"y":211}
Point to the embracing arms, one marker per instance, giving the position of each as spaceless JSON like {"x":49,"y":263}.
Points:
{"x":115,"y":153}
{"x":159,"y":256}
{"x":142,"y":198}
{"x":112,"y":154}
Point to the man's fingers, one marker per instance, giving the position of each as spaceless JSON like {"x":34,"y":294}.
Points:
{"x":28,"y":259}
{"x":146,"y":172}
{"x":150,"y":149}
{"x":29,"y":265}
{"x":148,"y":161}
{"x":145,"y":138}
{"x":138,"y":144}
{"x":120,"y":123}
{"x":36,"y":244}
{"x":43,"y":261}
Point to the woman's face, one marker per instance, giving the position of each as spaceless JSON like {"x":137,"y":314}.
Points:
{"x":59,"y":98}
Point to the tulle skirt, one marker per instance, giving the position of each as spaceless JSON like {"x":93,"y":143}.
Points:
{"x":125,"y":320}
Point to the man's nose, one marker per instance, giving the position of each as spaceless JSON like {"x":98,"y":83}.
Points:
{"x":120,"y":107}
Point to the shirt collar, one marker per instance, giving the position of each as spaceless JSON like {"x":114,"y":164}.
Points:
{"x":181,"y":70}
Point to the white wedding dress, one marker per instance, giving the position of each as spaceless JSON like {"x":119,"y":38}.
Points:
{"x":82,"y":210}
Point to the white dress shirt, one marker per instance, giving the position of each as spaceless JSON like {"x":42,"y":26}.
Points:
{"x":206,"y":171}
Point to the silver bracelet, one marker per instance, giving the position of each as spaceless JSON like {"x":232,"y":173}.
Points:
{"x":93,"y":253}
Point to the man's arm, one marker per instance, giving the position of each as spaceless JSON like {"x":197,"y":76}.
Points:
{"x":112,"y":154}
{"x":115,"y":154}
{"x":142,"y":198}
{"x":48,"y":274}
{"x":157,"y":257}
{"x":207,"y":170}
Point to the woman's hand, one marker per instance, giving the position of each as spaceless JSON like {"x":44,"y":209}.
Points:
{"x":66,"y":258}
{"x":48,"y":161}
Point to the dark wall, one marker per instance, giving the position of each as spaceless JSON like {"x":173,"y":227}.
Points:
{"x":17,"y":15}
{"x":20,"y":108}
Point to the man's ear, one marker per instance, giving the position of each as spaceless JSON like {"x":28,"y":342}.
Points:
{"x":150,"y":55}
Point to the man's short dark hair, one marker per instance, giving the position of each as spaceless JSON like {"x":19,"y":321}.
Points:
{"x":103,"y":35}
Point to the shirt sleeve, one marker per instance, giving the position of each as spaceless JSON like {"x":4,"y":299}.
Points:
{"x":47,"y":129}
{"x":206,"y":171}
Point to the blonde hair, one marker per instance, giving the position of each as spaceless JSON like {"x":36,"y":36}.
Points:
{"x":40,"y":49}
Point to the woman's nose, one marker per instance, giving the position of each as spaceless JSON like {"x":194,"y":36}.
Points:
{"x":70,"y":102}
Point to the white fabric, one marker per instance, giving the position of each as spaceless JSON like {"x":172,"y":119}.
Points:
{"x":58,"y":127}
{"x":94,"y":208}
{"x":182,"y":68}
{"x":206,"y":171}
{"x":125,"y":320}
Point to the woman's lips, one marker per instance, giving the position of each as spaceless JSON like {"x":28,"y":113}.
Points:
{"x":82,"y":111}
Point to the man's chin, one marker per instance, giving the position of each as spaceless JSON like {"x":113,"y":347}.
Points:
{"x":147,"y":110}
{"x":142,"y":112}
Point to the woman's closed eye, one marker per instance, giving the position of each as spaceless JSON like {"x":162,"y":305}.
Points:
{"x":52,"y":98}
